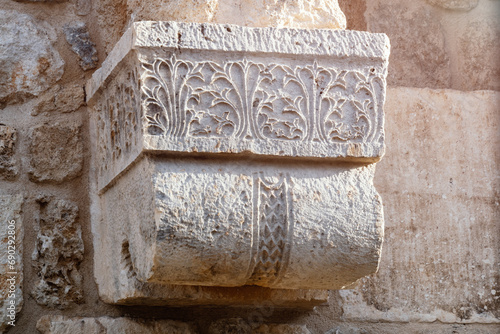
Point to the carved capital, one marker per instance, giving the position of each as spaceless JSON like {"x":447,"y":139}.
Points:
{"x":227,"y":156}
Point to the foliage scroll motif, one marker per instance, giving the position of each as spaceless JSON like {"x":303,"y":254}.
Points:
{"x":251,"y":100}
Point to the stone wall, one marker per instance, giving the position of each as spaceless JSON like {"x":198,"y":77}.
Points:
{"x":439,"y":179}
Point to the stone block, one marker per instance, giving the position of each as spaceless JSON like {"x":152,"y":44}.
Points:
{"x":57,"y":254}
{"x":23,"y":76}
{"x":78,"y":37}
{"x":282,"y":329}
{"x":418,"y":53}
{"x":251,"y":13}
{"x":465,"y":5}
{"x":441,"y":227}
{"x":8,"y":164}
{"x":56,"y":153}
{"x":65,"y":325}
{"x":61,"y":99}
{"x":242,"y":326}
{"x":247,"y":154}
{"x":11,"y":255}
{"x":480,"y":45}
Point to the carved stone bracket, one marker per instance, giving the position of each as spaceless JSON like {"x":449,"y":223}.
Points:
{"x":226,"y":156}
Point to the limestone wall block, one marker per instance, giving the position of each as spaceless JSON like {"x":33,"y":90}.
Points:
{"x":78,"y":325}
{"x":55,"y":152}
{"x":58,"y":253}
{"x":9,"y":167}
{"x":63,"y":99}
{"x":455,"y":4}
{"x":29,"y":63}
{"x":419,"y":56}
{"x":440,"y":187}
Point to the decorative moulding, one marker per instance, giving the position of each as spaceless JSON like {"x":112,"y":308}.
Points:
{"x":226,"y":156}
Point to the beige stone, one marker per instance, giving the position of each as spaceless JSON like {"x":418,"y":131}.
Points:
{"x":237,"y":222}
{"x":66,"y":325}
{"x":440,"y":181}
{"x":65,"y":99}
{"x":56,"y":153}
{"x":11,"y":255}
{"x":354,"y":11}
{"x":251,"y":13}
{"x":57,"y":254}
{"x":29,"y":63}
{"x":9,"y":168}
{"x":480,"y":46}
{"x":455,"y":4}
{"x":115,"y":15}
{"x":418,"y":55}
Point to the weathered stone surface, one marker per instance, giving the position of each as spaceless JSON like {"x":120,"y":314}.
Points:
{"x":480,"y":45}
{"x":282,"y":329}
{"x":418,"y":54}
{"x":355,"y":13}
{"x":29,"y":64}
{"x":455,"y":4}
{"x":61,"y":99}
{"x":11,"y":254}
{"x":219,"y":223}
{"x":56,"y":153}
{"x":8,"y":165}
{"x":58,"y":253}
{"x":230,"y":326}
{"x":251,"y":13}
{"x":440,"y":187}
{"x":242,"y":326}
{"x":65,"y":325}
{"x":49,"y":1}
{"x":416,"y":327}
{"x":243,"y":221}
{"x":78,"y":37}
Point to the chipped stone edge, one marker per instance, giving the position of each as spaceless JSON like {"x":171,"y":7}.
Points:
{"x":206,"y":36}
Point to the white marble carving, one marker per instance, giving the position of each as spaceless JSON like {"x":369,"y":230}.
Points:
{"x":227,"y":156}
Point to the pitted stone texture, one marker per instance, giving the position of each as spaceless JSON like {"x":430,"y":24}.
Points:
{"x":251,"y":13}
{"x":480,"y":67}
{"x":8,"y":165}
{"x":418,"y":54}
{"x":65,"y":99}
{"x":248,"y":326}
{"x":282,"y":329}
{"x":10,"y":290}
{"x":78,"y":37}
{"x":455,"y":4}
{"x":65,"y":325}
{"x":29,"y":64}
{"x":58,"y":253}
{"x":230,"y":326}
{"x":56,"y":153}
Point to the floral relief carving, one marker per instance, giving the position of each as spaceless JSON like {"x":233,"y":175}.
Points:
{"x":251,"y":100}
{"x":117,"y":119}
